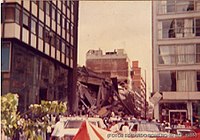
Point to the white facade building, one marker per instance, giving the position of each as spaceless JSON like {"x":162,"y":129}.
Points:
{"x":176,"y":59}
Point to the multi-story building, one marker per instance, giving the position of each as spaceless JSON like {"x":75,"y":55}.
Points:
{"x":176,"y":59}
{"x":111,"y":64}
{"x":138,"y":85}
{"x":39,"y":50}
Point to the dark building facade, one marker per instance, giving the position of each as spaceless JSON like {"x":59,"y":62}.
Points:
{"x":139,"y":85}
{"x":39,"y":50}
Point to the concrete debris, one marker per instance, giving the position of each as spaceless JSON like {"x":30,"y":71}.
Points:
{"x":101,"y":95}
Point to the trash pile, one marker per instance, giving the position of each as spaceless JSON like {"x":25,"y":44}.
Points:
{"x":101,"y":95}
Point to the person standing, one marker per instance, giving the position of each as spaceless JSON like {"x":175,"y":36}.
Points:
{"x":57,"y":133}
{"x":125,"y":128}
{"x":114,"y":127}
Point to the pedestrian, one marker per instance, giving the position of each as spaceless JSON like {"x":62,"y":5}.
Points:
{"x":114,"y":127}
{"x":57,"y":133}
{"x":188,"y":124}
{"x":125,"y":128}
{"x":48,"y":135}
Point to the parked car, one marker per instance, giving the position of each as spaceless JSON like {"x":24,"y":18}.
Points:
{"x":186,"y":132}
{"x":72,"y":125}
{"x":144,"y":128}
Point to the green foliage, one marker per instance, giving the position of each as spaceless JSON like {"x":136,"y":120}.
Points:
{"x":9,"y":115}
{"x":32,"y":122}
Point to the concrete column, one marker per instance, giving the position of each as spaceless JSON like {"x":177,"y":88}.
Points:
{"x":156,"y":111}
{"x":190,"y":113}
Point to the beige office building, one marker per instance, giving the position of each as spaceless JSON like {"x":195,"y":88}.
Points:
{"x":176,"y":59}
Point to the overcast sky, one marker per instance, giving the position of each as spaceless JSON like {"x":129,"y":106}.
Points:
{"x":113,"y":25}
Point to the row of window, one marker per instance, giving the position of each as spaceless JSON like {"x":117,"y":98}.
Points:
{"x":179,"y":28}
{"x":47,"y":5}
{"x":183,"y":81}
{"x":178,"y":6}
{"x":6,"y":55}
{"x":179,"y":54}
{"x":55,"y":13}
{"x":13,"y":14}
{"x":39,"y":29}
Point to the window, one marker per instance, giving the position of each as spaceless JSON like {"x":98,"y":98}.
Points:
{"x":46,"y":35}
{"x":182,"y":81}
{"x":197,"y":27}
{"x":184,"y":5}
{"x":17,"y":15}
{"x":63,"y":47}
{"x":9,"y":14}
{"x":72,"y":18}
{"x":68,"y":3}
{"x":34,"y":1}
{"x":25,"y":20}
{"x":52,"y":39}
{"x":41,"y":4}
{"x":47,"y":7}
{"x":40,"y":30}
{"x":170,"y":6}
{"x":71,"y":52}
{"x":53,"y":12}
{"x":5,"y":56}
{"x":72,"y":29}
{"x":33,"y":25}
{"x":186,"y":81}
{"x":58,"y":43}
{"x":198,"y":53}
{"x":63,"y":22}
{"x":68,"y":26}
{"x":72,"y":40}
{"x":67,"y":51}
{"x":68,"y":13}
{"x":179,"y":54}
{"x":177,"y":28}
{"x":72,"y":6}
{"x":68,"y":37}
{"x":197,"y":3}
{"x":176,"y":6}
{"x":58,"y":17}
{"x":167,"y":81}
{"x":198,"y":80}
{"x":167,"y":55}
{"x":185,"y":54}
{"x":168,"y":29}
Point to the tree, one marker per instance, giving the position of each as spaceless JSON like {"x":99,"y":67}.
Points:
{"x":32,"y":122}
{"x":9,"y":114}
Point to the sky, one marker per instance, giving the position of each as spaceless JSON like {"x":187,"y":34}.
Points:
{"x":110,"y":25}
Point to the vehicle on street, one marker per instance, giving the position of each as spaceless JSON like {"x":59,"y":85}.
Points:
{"x":185,"y":132}
{"x":146,"y":129}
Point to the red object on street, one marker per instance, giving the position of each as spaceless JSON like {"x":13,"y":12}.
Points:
{"x":88,"y":131}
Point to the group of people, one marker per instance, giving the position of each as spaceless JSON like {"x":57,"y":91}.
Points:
{"x":168,"y":126}
{"x":115,"y":127}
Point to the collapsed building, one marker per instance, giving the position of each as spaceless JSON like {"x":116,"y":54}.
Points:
{"x":101,"y":95}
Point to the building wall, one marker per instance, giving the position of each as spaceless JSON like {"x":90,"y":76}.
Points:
{"x":113,"y":64}
{"x":48,"y":29}
{"x":138,"y":85}
{"x":176,"y":59}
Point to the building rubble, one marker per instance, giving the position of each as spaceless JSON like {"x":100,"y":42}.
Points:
{"x":101,"y":95}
